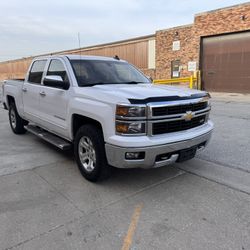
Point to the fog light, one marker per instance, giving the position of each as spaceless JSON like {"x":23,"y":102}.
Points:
{"x":135,"y":155}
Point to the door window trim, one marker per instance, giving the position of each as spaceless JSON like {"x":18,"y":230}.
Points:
{"x":47,"y":69}
{"x":36,"y":83}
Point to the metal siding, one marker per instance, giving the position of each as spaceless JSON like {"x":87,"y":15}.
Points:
{"x":133,"y":52}
{"x":226,"y":63}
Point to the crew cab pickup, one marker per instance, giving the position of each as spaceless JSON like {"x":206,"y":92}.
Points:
{"x":109,"y":112}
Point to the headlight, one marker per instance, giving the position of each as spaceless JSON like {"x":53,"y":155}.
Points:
{"x":207,"y":99}
{"x":130,"y":119}
{"x":209,"y":103}
{"x":124,"y":111}
{"x":130,"y":128}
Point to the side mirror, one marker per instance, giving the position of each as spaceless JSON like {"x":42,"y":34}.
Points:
{"x":55,"y":81}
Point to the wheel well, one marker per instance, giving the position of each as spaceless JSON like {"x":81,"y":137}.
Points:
{"x":79,"y":120}
{"x":10,"y":100}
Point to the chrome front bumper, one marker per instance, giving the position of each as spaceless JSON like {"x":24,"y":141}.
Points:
{"x":116,"y":155}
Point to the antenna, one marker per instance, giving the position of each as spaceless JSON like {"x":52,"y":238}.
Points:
{"x":79,"y":43}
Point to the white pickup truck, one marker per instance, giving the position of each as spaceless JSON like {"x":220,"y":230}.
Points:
{"x":109,"y":112}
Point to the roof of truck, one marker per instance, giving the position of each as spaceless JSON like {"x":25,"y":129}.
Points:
{"x":81,"y":57}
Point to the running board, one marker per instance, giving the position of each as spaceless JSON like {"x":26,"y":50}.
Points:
{"x":49,"y":137}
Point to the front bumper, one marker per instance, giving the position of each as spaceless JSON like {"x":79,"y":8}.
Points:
{"x":116,"y":154}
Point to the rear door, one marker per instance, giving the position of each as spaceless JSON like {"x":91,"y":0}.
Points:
{"x":31,"y":90}
{"x":54,"y":101}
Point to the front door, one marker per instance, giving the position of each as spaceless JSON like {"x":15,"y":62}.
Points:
{"x":54,"y":101}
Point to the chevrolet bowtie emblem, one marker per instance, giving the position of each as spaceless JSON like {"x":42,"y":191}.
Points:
{"x":188,"y":116}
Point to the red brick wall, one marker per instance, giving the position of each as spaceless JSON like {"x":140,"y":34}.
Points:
{"x":149,"y":72}
{"x":165,"y":53}
{"x":220,"y":21}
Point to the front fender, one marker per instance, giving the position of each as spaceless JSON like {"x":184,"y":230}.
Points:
{"x":96,"y":110}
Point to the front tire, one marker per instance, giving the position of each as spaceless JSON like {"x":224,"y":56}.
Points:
{"x":16,"y":122}
{"x":90,"y":153}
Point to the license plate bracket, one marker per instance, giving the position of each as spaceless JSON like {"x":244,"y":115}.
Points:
{"x":187,"y":154}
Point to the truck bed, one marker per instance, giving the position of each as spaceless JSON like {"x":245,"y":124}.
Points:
{"x":16,"y":79}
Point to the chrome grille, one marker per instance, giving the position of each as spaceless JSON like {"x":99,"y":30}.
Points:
{"x":178,"y":125}
{"x":178,"y":109}
{"x":176,"y":116}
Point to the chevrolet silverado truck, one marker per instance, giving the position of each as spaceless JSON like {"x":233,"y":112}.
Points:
{"x":109,"y":112}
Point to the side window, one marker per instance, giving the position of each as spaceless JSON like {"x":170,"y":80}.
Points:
{"x":36,"y":72}
{"x":56,"y":67}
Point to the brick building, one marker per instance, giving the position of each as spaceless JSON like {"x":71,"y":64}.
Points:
{"x":217,"y":43}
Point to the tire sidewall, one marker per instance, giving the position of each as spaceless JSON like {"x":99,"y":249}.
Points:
{"x":19,"y":129}
{"x":13,"y":109}
{"x":96,"y":138}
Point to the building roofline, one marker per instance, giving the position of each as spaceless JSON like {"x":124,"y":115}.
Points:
{"x":177,"y":27}
{"x":221,"y":9}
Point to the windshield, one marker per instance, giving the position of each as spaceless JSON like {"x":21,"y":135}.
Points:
{"x":93,"y":72}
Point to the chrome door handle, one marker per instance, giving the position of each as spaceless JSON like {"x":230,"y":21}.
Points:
{"x":24,"y":89}
{"x":42,"y":93}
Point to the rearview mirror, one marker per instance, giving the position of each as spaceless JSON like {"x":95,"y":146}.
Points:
{"x":55,"y":81}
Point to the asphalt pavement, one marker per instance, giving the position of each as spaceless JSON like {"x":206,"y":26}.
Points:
{"x":230,"y":144}
{"x":201,"y":204}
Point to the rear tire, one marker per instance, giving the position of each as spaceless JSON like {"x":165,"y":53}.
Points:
{"x":16,"y":122}
{"x":90,"y":153}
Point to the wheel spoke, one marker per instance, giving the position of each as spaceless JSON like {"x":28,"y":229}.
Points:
{"x":13,"y":118}
{"x":87,"y":153}
{"x":83,"y":156}
{"x":84,"y":144}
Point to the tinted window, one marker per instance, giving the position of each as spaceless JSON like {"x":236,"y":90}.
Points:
{"x":36,"y":72}
{"x":57,"y":68}
{"x":106,"y":72}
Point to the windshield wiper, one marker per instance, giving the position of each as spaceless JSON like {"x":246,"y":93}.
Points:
{"x":131,"y":82}
{"x":103,"y":83}
{"x":92,"y":84}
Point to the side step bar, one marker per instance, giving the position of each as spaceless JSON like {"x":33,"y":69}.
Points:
{"x":47,"y":136}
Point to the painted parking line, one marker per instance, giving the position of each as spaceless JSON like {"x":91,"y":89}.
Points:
{"x":132,"y":227}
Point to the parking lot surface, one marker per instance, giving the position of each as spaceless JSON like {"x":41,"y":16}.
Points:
{"x":201,"y":204}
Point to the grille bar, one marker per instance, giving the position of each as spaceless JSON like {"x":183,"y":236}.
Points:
{"x":178,"y":109}
{"x":177,"y":125}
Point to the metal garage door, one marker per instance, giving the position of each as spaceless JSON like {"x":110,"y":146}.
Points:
{"x":225,"y":62}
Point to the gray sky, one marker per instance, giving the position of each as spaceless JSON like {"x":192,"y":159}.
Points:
{"x":33,"y":27}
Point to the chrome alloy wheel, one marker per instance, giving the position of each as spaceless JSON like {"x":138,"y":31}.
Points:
{"x":87,"y":154}
{"x":13,"y":118}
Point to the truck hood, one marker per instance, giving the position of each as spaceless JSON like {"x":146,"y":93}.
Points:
{"x":129,"y":92}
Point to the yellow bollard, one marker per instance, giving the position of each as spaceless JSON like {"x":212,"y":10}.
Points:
{"x":191,"y":82}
